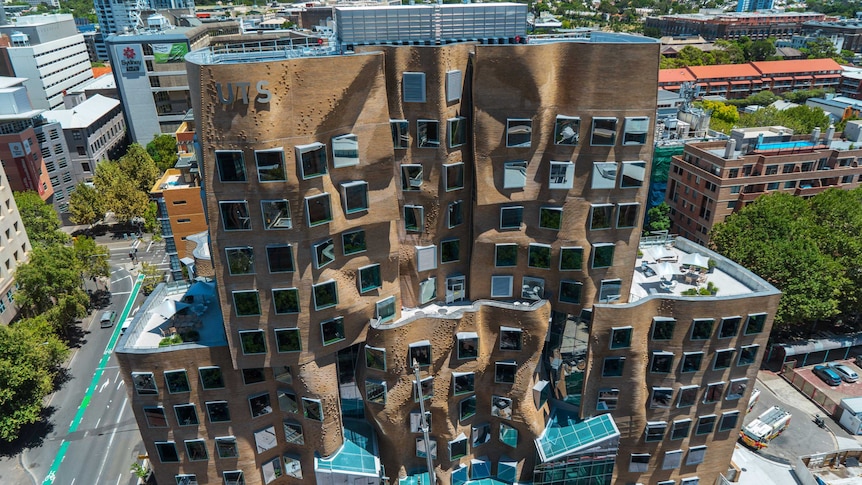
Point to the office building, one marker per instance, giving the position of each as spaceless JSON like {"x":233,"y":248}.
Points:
{"x":49,"y":52}
{"x":753,"y":5}
{"x":20,"y":125}
{"x":438,"y":213}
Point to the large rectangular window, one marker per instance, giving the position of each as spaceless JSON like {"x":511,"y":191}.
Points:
{"x":270,"y":165}
{"x":240,"y":260}
{"x":414,"y":218}
{"x":571,"y":258}
{"x":428,"y":133}
{"x":634,"y":174}
{"x":246,"y":303}
{"x":285,"y":300}
{"x":454,"y":176}
{"x":551,"y":218}
{"x":345,"y":150}
{"x":325,"y":294}
{"x":450,"y":251}
{"x":312,"y":159}
{"x":453,"y":86}
{"x":687,"y":396}
{"x":369,"y":278}
{"x":570,"y":292}
{"x":518,"y":132}
{"x":457,"y":131}
{"x":353,"y":242}
{"x":604,"y":175}
{"x":288,"y":340}
{"x":515,"y":174}
{"x":567,"y":130}
{"x":511,"y":217}
{"x":411,"y":177}
{"x":332,"y":330}
{"x":276,"y":214}
{"x":231,"y":167}
{"x":539,"y":256}
{"x":354,"y":196}
{"x":455,"y":214}
{"x":234,"y":215}
{"x":603,"y":255}
{"x":280,"y":258}
{"x":601,"y":216}
{"x":252,"y":342}
{"x":635,"y":130}
{"x":318,"y":209}
{"x":400,"y":135}
{"x":627,"y":215}
{"x":413,"y":85}
{"x":604,"y":132}
{"x":562,"y":175}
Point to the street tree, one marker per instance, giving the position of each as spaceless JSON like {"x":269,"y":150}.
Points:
{"x":762,"y":50}
{"x":52,"y":273}
{"x":163,"y":150}
{"x":86,"y":204}
{"x":658,"y":218}
{"x":139,"y":166}
{"x":820,"y":48}
{"x":39,"y":219}
{"x":92,"y":258}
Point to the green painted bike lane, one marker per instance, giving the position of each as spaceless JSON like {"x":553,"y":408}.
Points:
{"x":97,"y":376}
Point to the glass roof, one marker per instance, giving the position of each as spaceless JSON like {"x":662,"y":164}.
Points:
{"x":349,"y":459}
{"x":565,"y":435}
{"x":421,"y":479}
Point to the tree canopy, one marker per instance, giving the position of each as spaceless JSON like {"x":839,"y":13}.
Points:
{"x":163,"y":150}
{"x":39,"y":219}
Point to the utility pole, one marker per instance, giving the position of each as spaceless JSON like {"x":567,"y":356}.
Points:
{"x":429,"y":461}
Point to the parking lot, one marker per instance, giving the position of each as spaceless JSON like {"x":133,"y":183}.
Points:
{"x":828,"y":397}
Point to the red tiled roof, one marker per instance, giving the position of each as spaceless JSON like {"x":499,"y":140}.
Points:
{"x":676,"y":75}
{"x":799,"y":65}
{"x":724,"y":71}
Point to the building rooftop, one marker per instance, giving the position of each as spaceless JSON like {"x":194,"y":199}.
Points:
{"x":171,"y":179}
{"x":798,"y":65}
{"x":840,"y":467}
{"x":720,"y":71}
{"x":104,"y":81}
{"x":8,"y":82}
{"x":84,"y":114}
{"x":677,"y":75}
{"x":45,"y":18}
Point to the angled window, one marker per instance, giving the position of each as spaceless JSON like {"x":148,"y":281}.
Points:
{"x":705,"y":424}
{"x":571,"y":259}
{"x":231,"y":167}
{"x":627,"y":215}
{"x":345,"y":150}
{"x":635,"y":130}
{"x":687,"y":396}
{"x":609,"y":291}
{"x":280,"y":258}
{"x":736,"y":389}
{"x":332,"y":330}
{"x":562,"y":175}
{"x":177,"y":381}
{"x":400,"y":135}
{"x":680,"y":429}
{"x":567,"y":130}
{"x":312,"y":159}
{"x":467,"y":408}
{"x":424,"y":449}
{"x":511,"y":217}
{"x":450,"y":251}
{"x":613,"y":366}
{"x":453,"y":175}
{"x":426,"y":258}
{"x":714,"y":391}
{"x":186,"y":479}
{"x":288,"y":340}
{"x":285,"y":300}
{"x":505,"y":255}
{"x":728,"y":420}
{"x":621,"y":337}
{"x":747,"y":355}
{"x":639,"y":462}
{"x":453,"y":86}
{"x":696,"y":454}
{"x":428,"y":133}
{"x":293,"y":432}
{"x":539,"y":256}
{"x":375,"y":391}
{"x":246,"y":303}
{"x":211,"y":378}
{"x":253,"y":375}
{"x":662,"y":362}
{"x":234,"y":215}
{"x":604,"y":175}
{"x":353,"y":242}
{"x":264,"y":439}
{"x":411,"y":176}
{"x":414,"y":218}
{"x":354,"y":195}
{"x":325,"y":294}
{"x":510,"y":338}
{"x":755,"y":323}
{"x":240,"y":260}
{"x":691,"y":361}
{"x":634,"y":174}
{"x":271,"y":470}
{"x":551,"y":218}
{"x":603,"y":255}
{"x":226,"y":447}
{"x":690,"y":481}
{"x":318,"y":209}
{"x":369,"y":278}
{"x":419,"y":353}
{"x":196,"y":450}
{"x":312,"y":409}
{"x":672,"y":460}
{"x":468,"y":345}
{"x":515,"y":174}
{"x":729,"y":327}
{"x":413,"y":85}
{"x":655,"y":431}
{"x":570,"y":292}
{"x":455,"y":214}
{"x":457,"y":131}
{"x":234,"y":477}
{"x":276,"y":214}
{"x":723,"y":359}
{"x":458,"y":447}
{"x":282,"y":372}
{"x":604,"y":132}
{"x":427,"y":388}
{"x":481,"y":434}
{"x":501,"y":407}
{"x":324,"y":253}
{"x":270,"y":165}
{"x":427,"y":290}
{"x":662,"y":328}
{"x":463,"y":383}
{"x":701,"y":328}
{"x":155,"y":416}
{"x":252,"y":341}
{"x":608,"y":399}
{"x":601,"y":216}
{"x":384,"y":310}
{"x":532,"y":288}
{"x":145,"y":383}
{"x":518,"y":132}
{"x":661,"y":397}
{"x":218,"y":411}
{"x":287,"y":401}
{"x":375,"y":358}
{"x":167,"y":452}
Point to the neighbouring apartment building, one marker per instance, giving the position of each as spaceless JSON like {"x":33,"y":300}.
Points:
{"x":424,"y":235}
{"x":14,"y":246}
{"x":711,"y":180}
{"x":180,"y":211}
{"x":21,"y":125}
{"x":733,"y":25}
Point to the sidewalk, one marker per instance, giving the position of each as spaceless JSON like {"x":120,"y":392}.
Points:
{"x":757,"y":470}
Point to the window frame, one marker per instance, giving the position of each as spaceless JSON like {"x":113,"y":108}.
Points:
{"x":339,"y":334}
{"x":281,"y":163}
{"x":554,"y":216}
{"x":607,"y":211}
{"x":612,"y":131}
{"x":209,"y":406}
{"x":452,"y":129}
{"x":271,"y":249}
{"x":623,"y":209}
{"x":408,"y":180}
{"x":517,"y":208}
{"x":417,"y":79}
{"x":328,"y":216}
{"x":260,"y":333}
{"x":512,"y":123}
{"x":455,"y":214}
{"x":576,"y":250}
{"x":555,"y":172}
{"x":603,"y":247}
{"x":221,"y":173}
{"x":242,"y":213}
{"x":680,"y":425}
{"x":346,"y":197}
{"x":278,"y":222}
{"x":320,"y":162}
{"x":237,"y":250}
{"x":507,"y":247}
{"x":539,"y":250}
{"x":573,"y":122}
{"x":319,"y":307}
{"x":236,"y":304}
{"x":341,"y":161}
{"x":700,"y":424}
{"x":293,"y":331}
{"x":418,"y":215}
{"x":447,"y":243}
{"x":401,"y":137}
{"x":429,"y":141}
{"x":633,"y":131}
{"x":344,"y":243}
{"x":564,"y":294}
{"x":518,"y":169}
{"x":275,"y":304}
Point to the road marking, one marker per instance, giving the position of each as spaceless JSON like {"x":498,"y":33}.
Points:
{"x":97,"y":376}
{"x":121,"y":293}
{"x":97,"y":422}
{"x":73,"y":481}
{"x":120,"y":384}
{"x":120,"y":477}
{"x":108,"y":381}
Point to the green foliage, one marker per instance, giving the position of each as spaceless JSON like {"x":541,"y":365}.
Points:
{"x":730,"y":52}
{"x":163,"y":150}
{"x":51,"y":273}
{"x":152,"y":277}
{"x":761,"y":50}
{"x":763,"y":98}
{"x":39,"y":219}
{"x":800,"y":97}
{"x":139,"y":167}
{"x":721,"y":111}
{"x":820,"y":48}
{"x":658,"y":218}
{"x":92,"y":257}
{"x":121,"y":187}
{"x":800,"y":119}
{"x":139,"y":470}
{"x":30,"y":355}
{"x":86,"y":204}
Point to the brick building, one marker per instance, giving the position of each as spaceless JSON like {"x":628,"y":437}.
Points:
{"x":733,"y":25}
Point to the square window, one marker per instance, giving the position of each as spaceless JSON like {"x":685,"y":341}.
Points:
{"x":705,"y":424}
{"x":271,"y":470}
{"x":660,"y":397}
{"x":167,"y":452}
{"x":723,"y":359}
{"x":155,"y":417}
{"x":288,"y":340}
{"x":426,"y":258}
{"x":532,"y":288}
{"x":270,"y":165}
{"x":246,"y":303}
{"x":662,"y":362}
{"x":747,"y":355}
{"x":501,"y":407}
{"x":571,"y":259}
{"x":231,"y":167}
{"x":680,"y":429}
{"x":672,"y":460}
{"x":375,"y":358}
{"x":455,"y":214}
{"x":511,"y":217}
{"x":186,"y":479}
{"x":691,"y":361}
{"x":423,"y":449}
{"x":728,"y":420}
{"x":385,"y":309}
{"x":414,"y":218}
{"x":252,"y":341}
{"x":463,"y":383}
{"x":601,"y":216}
{"x":280,"y":258}
{"x":562,"y":175}
{"x":427,"y":389}
{"x":240,"y":260}
{"x":754,"y":323}
{"x":655,"y":431}
{"x":662,"y":328}
{"x":427,"y":290}
{"x":325,"y":294}
{"x":276,"y":214}
{"x":211,"y":378}
{"x":468,"y":345}
{"x":696,"y":455}
{"x":508,"y":435}
{"x":639,"y":462}
{"x":293,"y":433}
{"x":627,"y":215}
{"x":413,"y":85}
{"x":701,"y":328}
{"x":353,"y":242}
{"x":551,"y":217}
{"x":196,"y":450}
{"x":539,"y":256}
{"x":621,"y":337}
{"x":567,"y":130}
{"x":253,"y":375}
{"x":608,"y":399}
{"x":736,"y":389}
{"x":687,"y":396}
{"x":457,"y":131}
{"x":613,"y":366}
{"x":604,"y":132}
{"x":729,"y":327}
{"x":411,"y":177}
{"x":505,"y":255}
{"x":466,"y":408}
{"x":635,"y":131}
{"x":177,"y":381}
{"x":453,"y":85}
{"x":369,"y":278}
{"x":713,"y":393}
{"x":145,"y":383}
{"x":450,"y":251}
{"x":234,"y":216}
{"x":285,"y":300}
{"x":515,"y":174}
{"x":312,"y":409}
{"x":510,"y":338}
{"x":604,"y":175}
{"x":428,"y":133}
{"x":481,"y":434}
{"x":419,"y":353}
{"x":218,"y":411}
{"x":375,"y":391}
{"x":332,"y":330}
{"x":287,"y":401}
{"x":312,"y":160}
{"x":265,"y":439}
{"x":355,"y":196}
{"x":603,"y":255}
{"x":345,"y":150}
{"x":226,"y":447}
{"x":318,"y":209}
{"x":518,"y":133}
{"x":570,"y":292}
{"x":400,"y":135}
{"x":458,"y":448}
{"x":690,"y":481}
{"x":234,"y":477}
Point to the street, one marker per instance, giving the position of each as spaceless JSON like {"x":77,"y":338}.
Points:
{"x":92,"y":436}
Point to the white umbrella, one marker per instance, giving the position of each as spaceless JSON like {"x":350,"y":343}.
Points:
{"x":169,"y":308}
{"x":667,"y":270}
{"x":661,"y":252}
{"x":695,"y":259}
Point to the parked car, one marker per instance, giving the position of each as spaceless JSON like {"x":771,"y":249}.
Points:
{"x":846,"y":373}
{"x":827,"y":375}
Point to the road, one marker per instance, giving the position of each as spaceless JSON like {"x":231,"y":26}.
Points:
{"x":93,"y":437}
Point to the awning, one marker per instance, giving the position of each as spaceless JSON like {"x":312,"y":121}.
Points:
{"x":802,"y":78}
{"x":718,"y":83}
{"x":827,"y":76}
{"x":740,"y":82}
{"x":782,"y":79}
